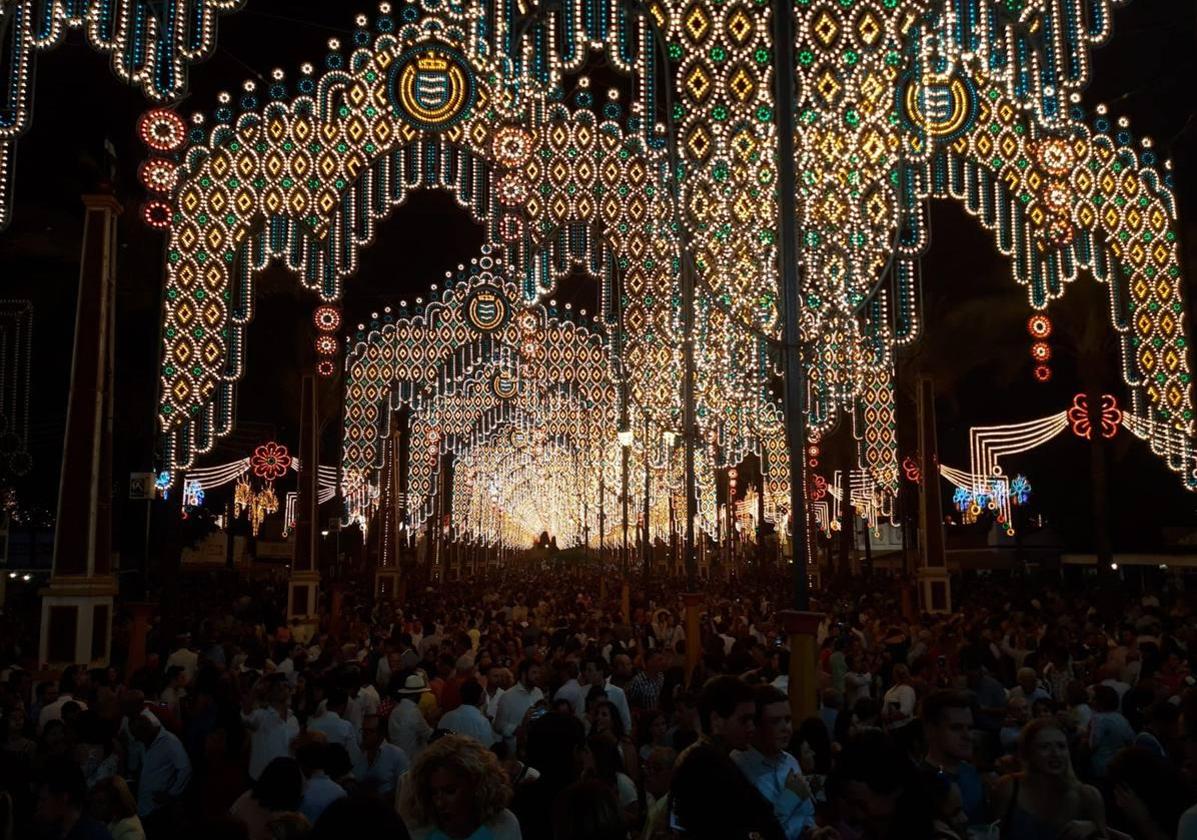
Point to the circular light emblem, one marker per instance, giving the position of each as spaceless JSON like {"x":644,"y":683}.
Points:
{"x":162,"y":129}
{"x":327,"y":318}
{"x":486,"y":309}
{"x":943,"y":106}
{"x":1039,"y":326}
{"x":503,"y":385}
{"x":431,"y":87}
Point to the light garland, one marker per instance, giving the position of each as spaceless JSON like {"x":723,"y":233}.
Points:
{"x":151,"y":46}
{"x":895,"y":105}
{"x":988,"y":443}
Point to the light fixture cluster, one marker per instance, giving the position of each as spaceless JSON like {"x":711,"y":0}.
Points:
{"x":473,"y":363}
{"x":1039,"y":327}
{"x":895,"y":105}
{"x":164,"y":133}
{"x":327,"y":319}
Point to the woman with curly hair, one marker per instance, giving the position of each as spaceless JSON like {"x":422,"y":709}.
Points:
{"x":458,"y":791}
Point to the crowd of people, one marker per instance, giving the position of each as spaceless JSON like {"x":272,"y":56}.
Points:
{"x":528,"y":707}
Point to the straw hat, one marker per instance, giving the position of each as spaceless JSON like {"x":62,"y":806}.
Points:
{"x":414,"y":684}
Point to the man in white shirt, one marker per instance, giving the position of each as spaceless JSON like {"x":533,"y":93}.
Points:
{"x":333,"y":726}
{"x":772,"y":770}
{"x":184,"y":656}
{"x":594,"y":671}
{"x":574,"y":690}
{"x":368,"y":701}
{"x":1108,"y":675}
{"x":166,"y":769}
{"x":467,"y":719}
{"x":381,"y":763}
{"x":496,"y":679}
{"x":897,"y":706}
{"x":67,"y":687}
{"x":272,"y":726}
{"x":407,"y":728}
{"x":516,"y":701}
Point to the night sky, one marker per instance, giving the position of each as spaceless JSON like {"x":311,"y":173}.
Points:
{"x":974,"y":343}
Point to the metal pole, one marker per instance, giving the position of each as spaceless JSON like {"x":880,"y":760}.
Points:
{"x":626,"y":452}
{"x":688,"y":431}
{"x":791,"y":294}
{"x":646,"y":546}
{"x":602,"y":517}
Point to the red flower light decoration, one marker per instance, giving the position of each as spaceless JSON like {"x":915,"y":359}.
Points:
{"x":326,"y":345}
{"x":270,"y":461}
{"x":1039,"y":326}
{"x":327,"y":318}
{"x":818,"y":487}
{"x":1042,"y":373}
{"x":1080,"y":417}
{"x":162,"y":129}
{"x":1041,"y":351}
{"x":326,"y":368}
{"x":911,"y":469}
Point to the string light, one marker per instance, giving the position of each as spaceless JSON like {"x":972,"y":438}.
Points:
{"x":895,"y":106}
{"x":147,"y":49}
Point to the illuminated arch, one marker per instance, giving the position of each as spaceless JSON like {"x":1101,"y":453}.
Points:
{"x":473,"y":359}
{"x":303,"y":180}
{"x":899,"y":105}
{"x":898,"y":102}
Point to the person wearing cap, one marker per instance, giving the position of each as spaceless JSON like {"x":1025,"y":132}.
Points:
{"x":407,"y":729}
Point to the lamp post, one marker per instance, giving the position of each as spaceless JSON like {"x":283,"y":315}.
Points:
{"x":602,"y":515}
{"x":800,"y":624}
{"x":625,"y":446}
{"x":646,"y":545}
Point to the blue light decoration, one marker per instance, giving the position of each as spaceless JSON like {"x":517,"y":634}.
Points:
{"x":162,"y":483}
{"x":997,"y":496}
{"x":1020,"y":490}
